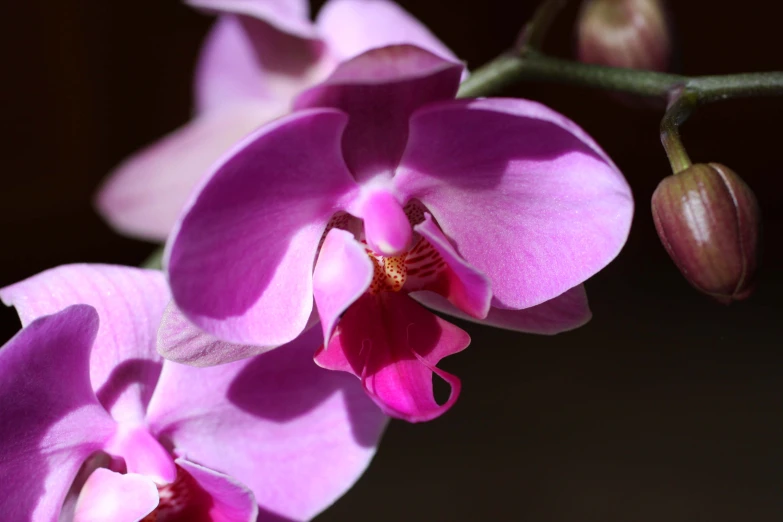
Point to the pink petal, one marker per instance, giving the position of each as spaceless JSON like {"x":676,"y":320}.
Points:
{"x":145,"y":195}
{"x":231,"y":501}
{"x":181,"y":341}
{"x":124,"y":364}
{"x":461,"y":284}
{"x":112,"y":497}
{"x":50,"y":420}
{"x":379,"y":90}
{"x":342,"y":274}
{"x":275,"y":422}
{"x":291,"y":16}
{"x":352,"y":27}
{"x":245,"y":60}
{"x":525,"y":195}
{"x":560,"y":314}
{"x":240,"y":259}
{"x":393,"y":344}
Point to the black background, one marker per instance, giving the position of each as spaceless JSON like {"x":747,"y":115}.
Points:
{"x":666,"y":407}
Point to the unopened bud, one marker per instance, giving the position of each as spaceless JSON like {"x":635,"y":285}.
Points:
{"x":624,"y":33}
{"x":708,"y":219}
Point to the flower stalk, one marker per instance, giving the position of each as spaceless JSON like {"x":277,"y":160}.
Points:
{"x":530,"y":65}
{"x":681,"y":104}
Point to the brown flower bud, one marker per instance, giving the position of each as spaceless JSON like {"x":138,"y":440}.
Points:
{"x":624,"y":33}
{"x":709,"y":221}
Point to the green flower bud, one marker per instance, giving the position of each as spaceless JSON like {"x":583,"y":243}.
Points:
{"x":709,"y":221}
{"x":624,"y":33}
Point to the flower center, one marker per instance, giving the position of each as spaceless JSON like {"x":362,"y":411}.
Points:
{"x":390,"y":273}
{"x":416,"y":269}
{"x":180,"y":501}
{"x":387,"y":228}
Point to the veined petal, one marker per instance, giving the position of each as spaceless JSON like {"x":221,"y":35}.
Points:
{"x":181,"y":341}
{"x":291,"y":16}
{"x":108,"y":496}
{"x":124,"y":365}
{"x":231,"y":501}
{"x":560,"y":314}
{"x":273,"y":423}
{"x":342,"y":274}
{"x":379,"y":90}
{"x":245,"y":60}
{"x":393,"y":344}
{"x":526,"y":197}
{"x":145,"y":195}
{"x":240,"y":260}
{"x":50,"y":420}
{"x":352,"y":27}
{"x":461,"y":284}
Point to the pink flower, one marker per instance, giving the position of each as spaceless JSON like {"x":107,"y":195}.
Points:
{"x":383,"y":188}
{"x":259,"y":55}
{"x":94,"y":425}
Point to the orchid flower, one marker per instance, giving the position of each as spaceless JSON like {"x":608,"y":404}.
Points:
{"x":258,"y":56}
{"x":382,"y":190}
{"x":95,"y":426}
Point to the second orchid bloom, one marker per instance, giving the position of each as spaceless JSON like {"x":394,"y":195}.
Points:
{"x":382,"y":190}
{"x":96,"y":427}
{"x":257,"y":57}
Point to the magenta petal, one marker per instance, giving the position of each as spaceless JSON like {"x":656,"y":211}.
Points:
{"x":108,"y":496}
{"x":50,"y":420}
{"x":145,"y":195}
{"x":560,"y":314}
{"x":525,"y":195}
{"x":240,"y":260}
{"x":124,"y":364}
{"x":181,"y":341}
{"x":231,"y":501}
{"x":291,"y":16}
{"x":379,"y":90}
{"x":273,"y":423}
{"x":352,"y":27}
{"x":468,"y":289}
{"x":247,"y":60}
{"x":393,"y":344}
{"x":342,"y":274}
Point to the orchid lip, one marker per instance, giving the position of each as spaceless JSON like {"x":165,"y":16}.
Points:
{"x":371,"y":327}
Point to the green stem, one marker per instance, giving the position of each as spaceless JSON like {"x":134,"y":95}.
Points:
{"x":155,"y":260}
{"x":680,"y":107}
{"x":509,"y":69}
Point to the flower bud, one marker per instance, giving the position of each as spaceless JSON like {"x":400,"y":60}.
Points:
{"x":709,"y":221}
{"x":624,"y":33}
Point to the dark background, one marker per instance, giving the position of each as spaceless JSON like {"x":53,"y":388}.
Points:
{"x":666,"y":407}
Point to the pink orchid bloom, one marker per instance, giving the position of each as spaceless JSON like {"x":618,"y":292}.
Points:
{"x":258,"y":56}
{"x":382,"y":189}
{"x":96,"y":427}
